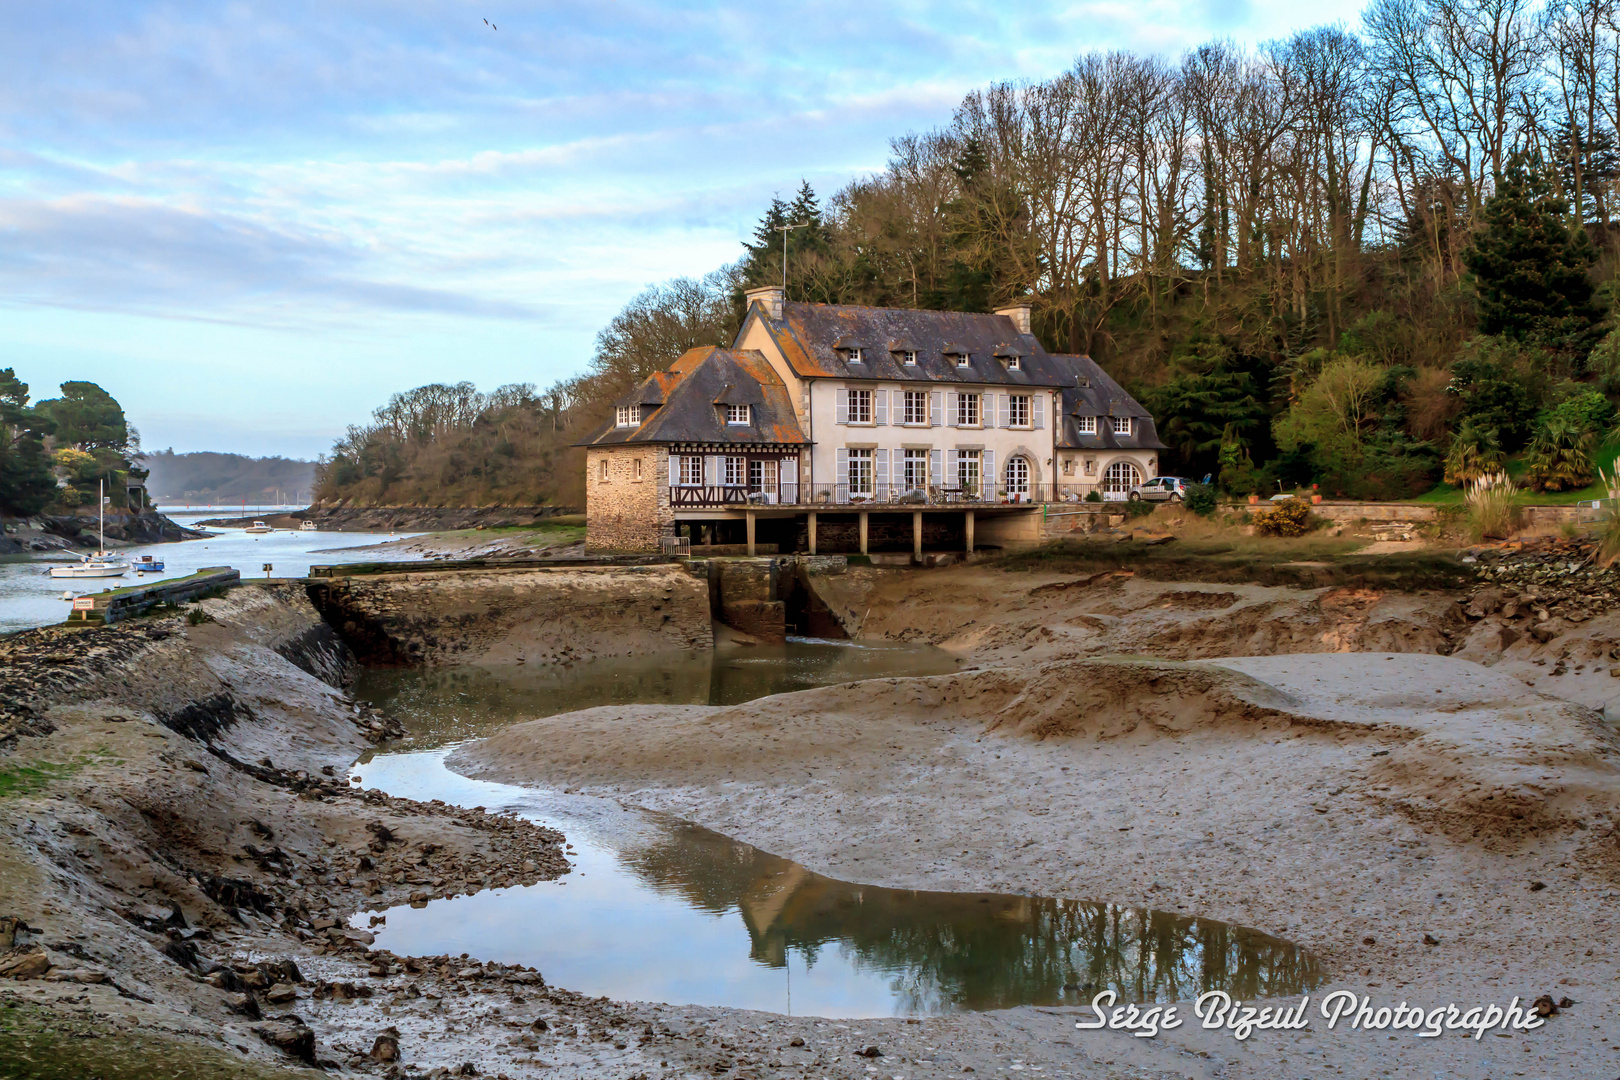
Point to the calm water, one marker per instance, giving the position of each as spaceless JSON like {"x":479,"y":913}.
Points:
{"x":658,"y":909}
{"x":29,"y":596}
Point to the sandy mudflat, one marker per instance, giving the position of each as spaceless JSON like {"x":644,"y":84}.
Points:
{"x":1325,"y":798}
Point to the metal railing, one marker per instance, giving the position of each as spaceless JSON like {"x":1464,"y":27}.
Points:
{"x":896,"y":495}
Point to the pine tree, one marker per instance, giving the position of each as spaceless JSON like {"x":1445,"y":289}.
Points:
{"x":1529,"y":270}
{"x":26,"y":482}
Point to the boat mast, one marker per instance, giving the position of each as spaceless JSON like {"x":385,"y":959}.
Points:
{"x":101,"y":514}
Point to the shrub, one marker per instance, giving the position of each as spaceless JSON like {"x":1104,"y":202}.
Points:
{"x":196,"y":616}
{"x":1560,"y":454}
{"x":1493,"y":507}
{"x":1094,"y":496}
{"x":1138,"y":508}
{"x":1290,"y":518}
{"x":1476,"y":450}
{"x":1200,"y":499}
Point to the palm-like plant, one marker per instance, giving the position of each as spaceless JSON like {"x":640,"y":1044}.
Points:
{"x":1476,"y":450}
{"x":1560,"y":455}
{"x":1609,"y":521}
{"x":1493,"y":506}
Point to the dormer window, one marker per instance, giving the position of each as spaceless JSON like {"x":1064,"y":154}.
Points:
{"x":629,"y":415}
{"x":737,"y":414}
{"x":963,"y":360}
{"x":1086,"y":425}
{"x":1015,"y":363}
{"x":908,"y":357}
{"x":1122,"y":425}
{"x":855,"y":356}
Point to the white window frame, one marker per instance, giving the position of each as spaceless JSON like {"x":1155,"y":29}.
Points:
{"x":602,"y":471}
{"x":914,"y":469}
{"x":1086,"y":425}
{"x":1122,"y":425}
{"x":855,"y":356}
{"x":1018,"y":485}
{"x":1015,"y":363}
{"x":908,"y":357}
{"x":635,"y":469}
{"x":689,"y":470}
{"x":627,"y":416}
{"x":861,"y":481}
{"x":970,"y":464}
{"x":734,"y":471}
{"x":1018,"y":404}
{"x":739,"y":415}
{"x":969,"y":410}
{"x":1121,"y":476}
{"x":918,"y":416}
{"x":860,"y":401}
{"x":964,"y":360}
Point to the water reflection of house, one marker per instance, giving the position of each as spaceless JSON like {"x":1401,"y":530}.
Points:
{"x":830,"y":427}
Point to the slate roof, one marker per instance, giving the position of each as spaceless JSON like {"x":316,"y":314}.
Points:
{"x":1091,"y":391}
{"x":682,"y":405}
{"x":814,"y":339}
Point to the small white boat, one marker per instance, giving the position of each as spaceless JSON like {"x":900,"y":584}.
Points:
{"x":149,"y":565}
{"x":258,"y":527}
{"x":102,"y":563}
{"x":308,"y":526}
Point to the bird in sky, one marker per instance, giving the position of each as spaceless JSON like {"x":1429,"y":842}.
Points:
{"x":491,"y":25}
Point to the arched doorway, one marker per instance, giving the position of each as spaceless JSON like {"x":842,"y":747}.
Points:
{"x":1121,"y":477}
{"x":1018,"y":477}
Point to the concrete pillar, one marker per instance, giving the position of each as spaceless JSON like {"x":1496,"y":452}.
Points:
{"x":863,"y":532}
{"x":916,"y":535}
{"x":750,"y":516}
{"x":969,"y":529}
{"x":812,"y":527}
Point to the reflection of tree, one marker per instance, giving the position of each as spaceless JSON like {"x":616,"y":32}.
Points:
{"x":968,"y":950}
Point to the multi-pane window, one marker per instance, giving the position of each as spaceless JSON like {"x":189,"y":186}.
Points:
{"x":628,"y":416}
{"x":855,"y":356}
{"x":908,"y":357}
{"x":915,"y":470}
{"x":1087,"y":425}
{"x":1015,"y":363}
{"x":860,"y":472}
{"x":734,"y":471}
{"x":916,"y":407}
{"x":736,"y":414}
{"x":963,"y":360}
{"x":1018,"y":410}
{"x":967,"y":471}
{"x":967,"y":410}
{"x":1091,"y":466}
{"x":1122,"y":425}
{"x":689,"y":471}
{"x":1018,"y":475}
{"x":860,"y":406}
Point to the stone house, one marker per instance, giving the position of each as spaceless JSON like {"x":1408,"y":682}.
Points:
{"x":849,"y":419}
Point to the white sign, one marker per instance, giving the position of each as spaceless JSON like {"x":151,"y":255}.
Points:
{"x":84,"y":603}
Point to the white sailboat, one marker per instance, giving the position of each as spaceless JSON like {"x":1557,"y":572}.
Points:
{"x":103,"y":563}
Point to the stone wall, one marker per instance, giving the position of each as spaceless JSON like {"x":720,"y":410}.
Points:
{"x":518,"y":615}
{"x":626,"y":510}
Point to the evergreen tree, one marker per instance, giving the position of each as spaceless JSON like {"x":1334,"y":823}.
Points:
{"x":26,"y":482}
{"x":1529,"y":270}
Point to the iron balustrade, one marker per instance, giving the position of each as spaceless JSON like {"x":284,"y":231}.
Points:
{"x":897,"y":496}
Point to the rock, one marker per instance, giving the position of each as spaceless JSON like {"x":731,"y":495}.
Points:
{"x":869,"y":1052}
{"x":540,"y":1024}
{"x":1545,"y":1006}
{"x":28,"y":965}
{"x":243,"y":1005}
{"x":1485,"y":602}
{"x":1543,"y":632}
{"x":10,"y":927}
{"x":195,"y":766}
{"x":1537,"y":886}
{"x":291,"y":1037}
{"x":385,"y":1048}
{"x":1430,"y":939}
{"x":362,"y":937}
{"x":1564,"y":1002}
{"x":85,"y":976}
{"x":467,"y":1069}
{"x":1369,"y":940}
{"x":281,"y":994}
{"x":796,"y":1041}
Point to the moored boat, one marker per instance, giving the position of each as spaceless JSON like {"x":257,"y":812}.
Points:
{"x":101,"y":563}
{"x":308,"y":526}
{"x":258,"y":527}
{"x":149,"y":565}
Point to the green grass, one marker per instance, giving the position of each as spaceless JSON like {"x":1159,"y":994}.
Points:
{"x":1451,"y":495}
{"x":35,"y":777}
{"x":1306,"y":562}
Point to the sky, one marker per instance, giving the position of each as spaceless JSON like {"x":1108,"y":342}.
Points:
{"x":252,"y":223}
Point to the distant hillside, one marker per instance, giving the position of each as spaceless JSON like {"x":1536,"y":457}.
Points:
{"x":225,"y":478}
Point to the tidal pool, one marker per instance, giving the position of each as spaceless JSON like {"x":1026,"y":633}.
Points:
{"x":660,"y":909}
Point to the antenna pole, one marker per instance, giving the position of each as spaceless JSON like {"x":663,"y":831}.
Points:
{"x":784,"y":230}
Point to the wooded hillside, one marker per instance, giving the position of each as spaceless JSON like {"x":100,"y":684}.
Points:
{"x":1367,"y":261}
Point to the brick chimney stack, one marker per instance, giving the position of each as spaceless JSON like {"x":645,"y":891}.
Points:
{"x":1019,"y":314}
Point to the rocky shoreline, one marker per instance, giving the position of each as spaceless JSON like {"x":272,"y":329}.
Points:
{"x":403,"y":518}
{"x":65,"y":532}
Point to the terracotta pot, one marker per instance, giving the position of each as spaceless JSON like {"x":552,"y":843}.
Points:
{"x":1315,"y":499}
{"x":1254,"y":500}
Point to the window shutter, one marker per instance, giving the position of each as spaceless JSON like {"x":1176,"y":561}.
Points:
{"x":880,"y":472}
{"x":934,"y":409}
{"x":1036,"y":412}
{"x":788,"y":478}
{"x":843,"y":406}
{"x":950,"y":408}
{"x":1004,"y":404}
{"x":952,"y":476}
{"x":936,"y":469}
{"x":880,"y":406}
{"x":711,"y":471}
{"x":989,"y":479}
{"x":841,"y":481}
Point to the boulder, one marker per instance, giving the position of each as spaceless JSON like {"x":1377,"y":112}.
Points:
{"x":26,"y":965}
{"x":291,"y":1037}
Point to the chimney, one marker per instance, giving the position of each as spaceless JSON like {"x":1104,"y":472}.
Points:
{"x":1019,"y":314}
{"x":771,"y":298}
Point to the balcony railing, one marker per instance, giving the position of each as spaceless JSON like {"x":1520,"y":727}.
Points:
{"x":889,"y":496}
